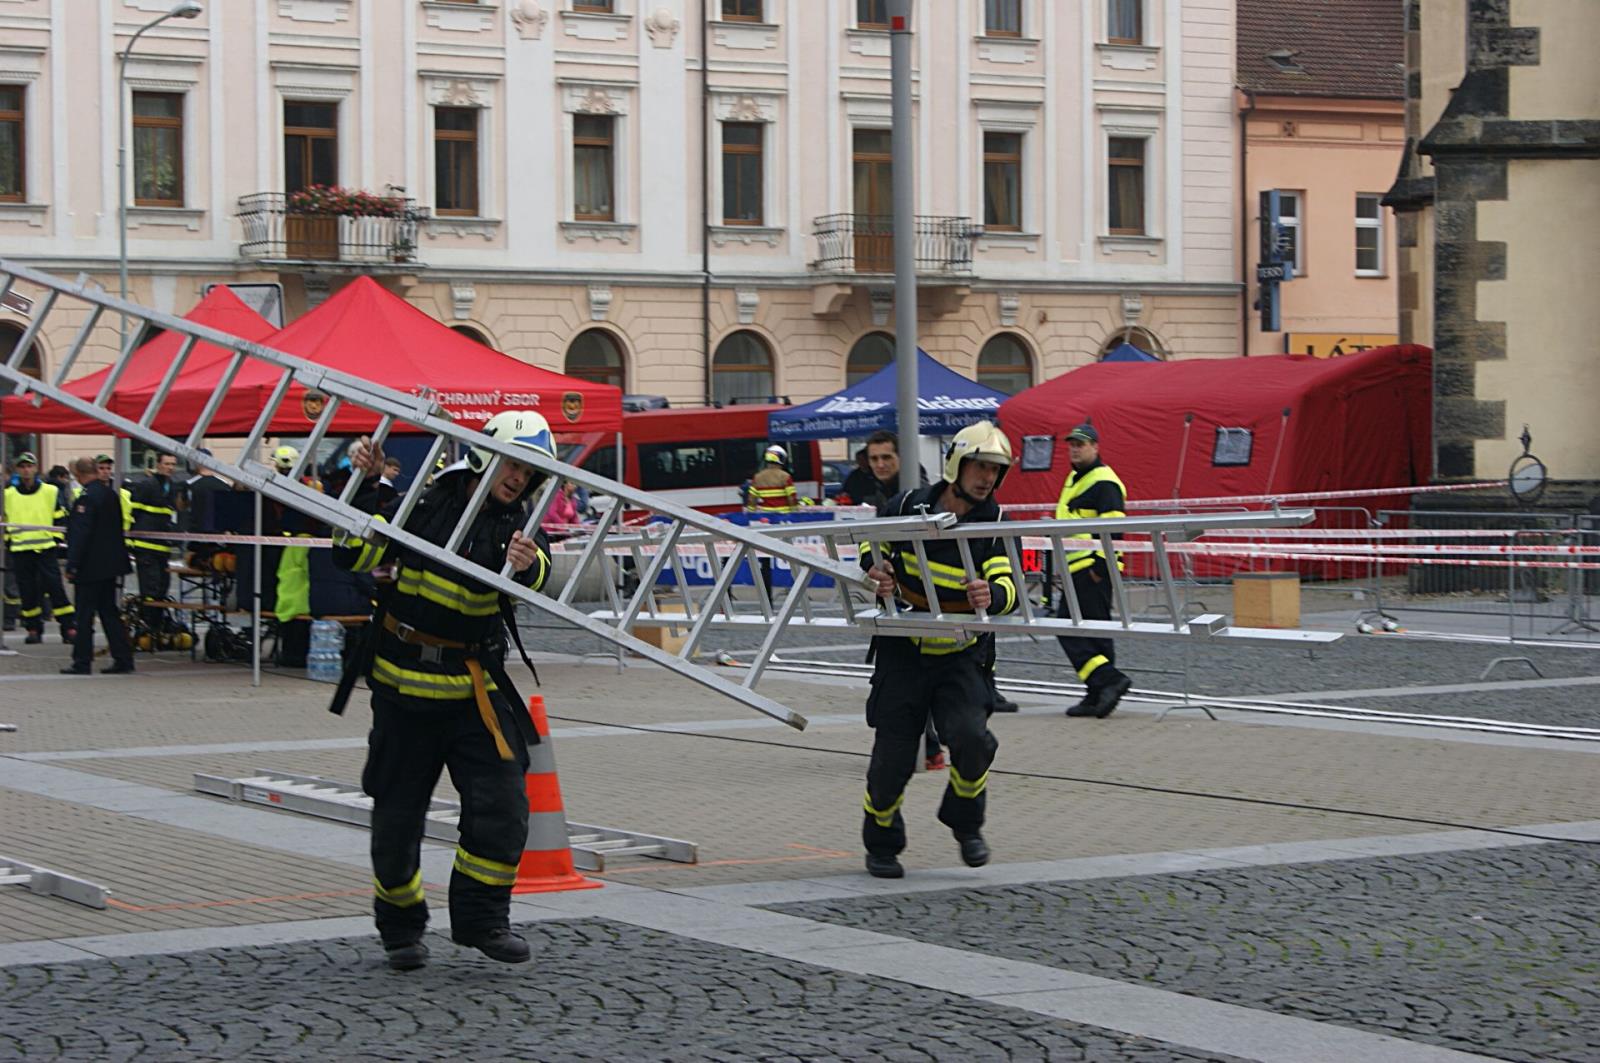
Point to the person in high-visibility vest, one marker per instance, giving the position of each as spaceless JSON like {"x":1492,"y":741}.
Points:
{"x":434,"y":658}
{"x":915,"y":677}
{"x":31,"y":501}
{"x":154,"y":502}
{"x":771,"y":489}
{"x":1092,"y":490}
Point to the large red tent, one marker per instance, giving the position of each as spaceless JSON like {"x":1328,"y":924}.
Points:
{"x":368,"y":332}
{"x":1233,"y":427}
{"x":220,"y":309}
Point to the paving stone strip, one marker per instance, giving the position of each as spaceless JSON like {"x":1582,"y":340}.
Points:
{"x":1494,"y":951}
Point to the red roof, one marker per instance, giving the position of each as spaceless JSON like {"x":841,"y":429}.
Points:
{"x":1352,"y":49}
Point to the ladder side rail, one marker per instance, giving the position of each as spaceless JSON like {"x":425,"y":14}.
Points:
{"x":591,"y":549}
{"x":163,"y":389}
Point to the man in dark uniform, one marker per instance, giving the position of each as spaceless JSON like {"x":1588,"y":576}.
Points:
{"x":434,"y":659}
{"x":914,"y":677}
{"x":1092,"y":490}
{"x":31,"y":501}
{"x":96,"y":558}
{"x":154,"y":501}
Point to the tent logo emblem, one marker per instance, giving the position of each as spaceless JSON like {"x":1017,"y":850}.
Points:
{"x":572,"y":405}
{"x":312,"y":402}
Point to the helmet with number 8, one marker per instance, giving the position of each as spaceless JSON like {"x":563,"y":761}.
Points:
{"x":521,"y":427}
{"x":982,"y":441}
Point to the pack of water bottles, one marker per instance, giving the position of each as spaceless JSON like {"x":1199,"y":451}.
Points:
{"x":325,"y":662}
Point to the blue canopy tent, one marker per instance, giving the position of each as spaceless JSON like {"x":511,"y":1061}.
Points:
{"x":1127,"y":352}
{"x":947,"y":400}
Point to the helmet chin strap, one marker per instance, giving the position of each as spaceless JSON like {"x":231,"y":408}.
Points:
{"x":960,"y":491}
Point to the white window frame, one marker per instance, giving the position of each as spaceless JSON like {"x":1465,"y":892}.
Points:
{"x":304,"y":83}
{"x":607,"y":99}
{"x":760,"y":108}
{"x":1025,"y":18}
{"x":1375,"y":224}
{"x":1297,"y":223}
{"x":996,"y":116}
{"x":1144,"y":24}
{"x":180,"y":77}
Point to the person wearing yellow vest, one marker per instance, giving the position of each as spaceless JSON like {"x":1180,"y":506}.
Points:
{"x":915,"y":677}
{"x":31,"y":501}
{"x":1092,"y":490}
{"x":154,"y":501}
{"x":434,"y":659}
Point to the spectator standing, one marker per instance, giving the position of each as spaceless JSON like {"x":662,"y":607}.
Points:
{"x":97,"y":557}
{"x":31,"y":501}
{"x":563,"y":512}
{"x":860,"y":485}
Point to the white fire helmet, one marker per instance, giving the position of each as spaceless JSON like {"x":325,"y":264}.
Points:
{"x":983,"y":441}
{"x":776,"y":455}
{"x":523,"y":427}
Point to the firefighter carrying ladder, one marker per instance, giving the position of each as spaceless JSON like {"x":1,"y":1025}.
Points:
{"x":660,"y":551}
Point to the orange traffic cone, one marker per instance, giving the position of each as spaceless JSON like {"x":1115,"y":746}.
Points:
{"x":546,"y":863}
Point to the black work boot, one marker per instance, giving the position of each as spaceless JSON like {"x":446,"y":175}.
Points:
{"x":1084,"y":707}
{"x":1106,"y":702}
{"x":407,"y":956}
{"x":1004,"y":704}
{"x":497,"y":944}
{"x":34,"y":638}
{"x":884,"y":866}
{"x":974,"y":850}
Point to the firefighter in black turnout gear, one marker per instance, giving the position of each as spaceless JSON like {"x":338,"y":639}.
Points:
{"x":154,"y":503}
{"x":434,"y":659}
{"x":1092,"y":490}
{"x":915,"y":677}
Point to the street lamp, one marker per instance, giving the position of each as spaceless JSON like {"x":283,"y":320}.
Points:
{"x":181,"y":9}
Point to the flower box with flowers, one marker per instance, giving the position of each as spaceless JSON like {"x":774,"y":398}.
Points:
{"x":312,"y":217}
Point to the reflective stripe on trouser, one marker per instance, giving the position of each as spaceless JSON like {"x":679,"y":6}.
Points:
{"x":402,"y":896}
{"x":908,"y":687}
{"x":38,"y":579}
{"x":409,"y":745}
{"x":1094,"y":658}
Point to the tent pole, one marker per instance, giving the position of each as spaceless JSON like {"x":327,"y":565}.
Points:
{"x":255,"y":601}
{"x":902,"y":156}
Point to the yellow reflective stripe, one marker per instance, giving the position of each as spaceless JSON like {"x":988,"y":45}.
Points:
{"x":437,"y":685}
{"x":401,"y":896}
{"x":372,"y":551}
{"x":884,"y":818}
{"x":967,"y":788}
{"x":1091,"y":664}
{"x":946,"y":576}
{"x":489,"y":872}
{"x":29,"y":614}
{"x":166,"y":511}
{"x":1004,"y":591}
{"x":141,"y":544}
{"x":62,"y":610}
{"x":541,"y":569}
{"x":432,"y":587}
{"x":1082,"y":559}
{"x":938,"y":645}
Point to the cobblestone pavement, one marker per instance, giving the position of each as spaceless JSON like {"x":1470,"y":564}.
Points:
{"x":1493,"y":952}
{"x":1561,"y":707}
{"x":596,"y":990}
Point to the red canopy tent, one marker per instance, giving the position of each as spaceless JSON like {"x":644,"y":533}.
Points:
{"x":1360,"y":421}
{"x":220,"y":309}
{"x":368,"y":332}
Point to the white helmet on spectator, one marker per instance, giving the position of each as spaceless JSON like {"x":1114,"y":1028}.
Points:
{"x":776,"y":455}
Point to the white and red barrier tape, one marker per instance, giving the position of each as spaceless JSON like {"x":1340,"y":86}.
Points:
{"x":1252,"y":500}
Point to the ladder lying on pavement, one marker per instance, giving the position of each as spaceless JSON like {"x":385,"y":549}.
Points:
{"x":48,"y":883}
{"x":659,"y":552}
{"x":315,"y":796}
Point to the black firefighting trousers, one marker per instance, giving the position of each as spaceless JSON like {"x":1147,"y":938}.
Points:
{"x":909,"y":687}
{"x":406,"y":750}
{"x":38,"y":578}
{"x":1095,"y":660}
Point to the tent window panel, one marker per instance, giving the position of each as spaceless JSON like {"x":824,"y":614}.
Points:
{"x":1037,"y":453}
{"x":1233,"y":447}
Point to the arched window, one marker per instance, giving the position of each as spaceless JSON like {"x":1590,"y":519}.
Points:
{"x":595,"y":356}
{"x":10,"y":333}
{"x":742,"y":369}
{"x":472,"y":334}
{"x":871,"y":353}
{"x":1004,"y":365}
{"x":1141,"y":339}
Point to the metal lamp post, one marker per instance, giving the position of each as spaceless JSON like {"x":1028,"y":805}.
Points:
{"x":181,"y":9}
{"x":902,"y":152}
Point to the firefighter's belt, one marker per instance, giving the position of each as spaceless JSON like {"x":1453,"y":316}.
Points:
{"x":480,"y":692}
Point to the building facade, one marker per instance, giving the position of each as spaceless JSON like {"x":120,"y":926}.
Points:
{"x":1498,"y":204}
{"x":682,"y":197}
{"x":1321,"y":103}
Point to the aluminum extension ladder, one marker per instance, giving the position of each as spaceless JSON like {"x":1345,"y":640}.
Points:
{"x":389,"y":408}
{"x":48,"y":883}
{"x":659,"y":551}
{"x":345,"y":803}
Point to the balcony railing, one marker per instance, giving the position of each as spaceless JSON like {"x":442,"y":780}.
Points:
{"x":864,"y":243}
{"x":272,"y":232}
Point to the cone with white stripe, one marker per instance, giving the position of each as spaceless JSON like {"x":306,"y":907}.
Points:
{"x":546,"y":863}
